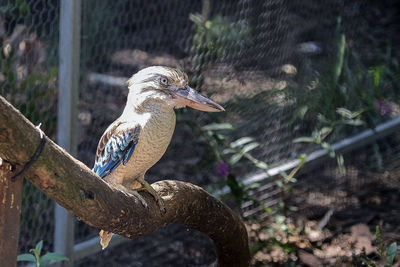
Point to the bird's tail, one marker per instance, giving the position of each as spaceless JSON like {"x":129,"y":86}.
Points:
{"x":105,"y":238}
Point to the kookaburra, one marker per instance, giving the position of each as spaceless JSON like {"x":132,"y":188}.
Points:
{"x":134,"y":142}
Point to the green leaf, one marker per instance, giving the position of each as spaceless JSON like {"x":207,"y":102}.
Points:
{"x":379,"y":242}
{"x":280,"y":219}
{"x":260,"y":164}
{"x":241,"y":141}
{"x":328,"y":147}
{"x":304,"y":139}
{"x":279,"y":184}
{"x":196,"y":18}
{"x":39,"y":246}
{"x":325,"y":130}
{"x":251,"y":146}
{"x":354,"y":122}
{"x":218,"y":126}
{"x":378,"y":73}
{"x":367,"y":262}
{"x":267,"y":209}
{"x":235,"y":158}
{"x":293,"y":208}
{"x":35,"y":252}
{"x":52,"y":256}
{"x":252,"y":186}
{"x":344,"y":112}
{"x":26,"y":257}
{"x":302,"y":159}
{"x":339,"y":58}
{"x":340,"y":162}
{"x":228,"y":151}
{"x":348,"y":114}
{"x":392,"y":250}
{"x":284,"y":175}
{"x":302,"y":111}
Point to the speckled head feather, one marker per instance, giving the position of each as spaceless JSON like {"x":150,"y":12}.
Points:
{"x":152,"y":76}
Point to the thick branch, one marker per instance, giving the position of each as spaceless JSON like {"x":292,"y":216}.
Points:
{"x":74,"y":186}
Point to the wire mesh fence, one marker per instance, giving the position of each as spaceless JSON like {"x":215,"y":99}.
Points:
{"x":272,"y":64}
{"x":28,"y":78}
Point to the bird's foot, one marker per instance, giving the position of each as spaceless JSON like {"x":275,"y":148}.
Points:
{"x":160,"y":202}
{"x":134,"y":193}
{"x":141,"y":199}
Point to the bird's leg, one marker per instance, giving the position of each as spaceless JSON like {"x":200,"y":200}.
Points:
{"x":147,"y":187}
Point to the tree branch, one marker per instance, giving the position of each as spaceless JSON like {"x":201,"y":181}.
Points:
{"x":74,"y":186}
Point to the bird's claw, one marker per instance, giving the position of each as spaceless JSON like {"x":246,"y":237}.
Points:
{"x":138,"y":196}
{"x":145,"y":205}
{"x":142,"y":200}
{"x":160,"y":204}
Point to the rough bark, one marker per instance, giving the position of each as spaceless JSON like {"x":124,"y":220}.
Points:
{"x":74,"y":186}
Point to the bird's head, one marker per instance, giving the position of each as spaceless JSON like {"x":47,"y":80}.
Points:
{"x":168,"y":86}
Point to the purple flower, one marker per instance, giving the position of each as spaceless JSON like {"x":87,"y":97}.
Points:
{"x":384,"y":109}
{"x":222,"y":169}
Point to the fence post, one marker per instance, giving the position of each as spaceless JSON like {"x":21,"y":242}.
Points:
{"x":10,"y":213}
{"x":68,"y":82}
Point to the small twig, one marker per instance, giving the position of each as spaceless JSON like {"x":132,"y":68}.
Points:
{"x":324,"y":221}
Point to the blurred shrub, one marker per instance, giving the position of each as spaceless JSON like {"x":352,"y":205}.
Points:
{"x":386,"y":255}
{"x":212,"y":40}
{"x":348,"y":84}
{"x":24,"y":79}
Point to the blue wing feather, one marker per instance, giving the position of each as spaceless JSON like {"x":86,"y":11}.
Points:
{"x":115,"y":148}
{"x":129,"y":154}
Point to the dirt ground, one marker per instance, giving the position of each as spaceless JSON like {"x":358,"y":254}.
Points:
{"x":335,"y":222}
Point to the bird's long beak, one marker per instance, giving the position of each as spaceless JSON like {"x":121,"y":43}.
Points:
{"x":189,"y":97}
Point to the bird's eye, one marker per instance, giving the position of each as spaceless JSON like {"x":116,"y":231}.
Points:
{"x":164,"y":80}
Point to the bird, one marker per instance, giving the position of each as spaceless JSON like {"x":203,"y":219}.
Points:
{"x":136,"y":140}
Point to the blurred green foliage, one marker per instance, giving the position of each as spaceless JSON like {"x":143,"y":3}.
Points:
{"x":227,"y":155}
{"x":319,"y":136}
{"x":212,"y":40}
{"x":348,"y":84}
{"x":41,"y":261}
{"x":276,"y":234}
{"x":24,"y":81}
{"x":213,"y":37}
{"x":386,"y":255}
{"x":16,"y":11}
{"x":34,"y":94}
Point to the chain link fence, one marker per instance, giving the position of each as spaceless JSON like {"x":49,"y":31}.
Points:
{"x":271,"y":64}
{"x":28,"y":79}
